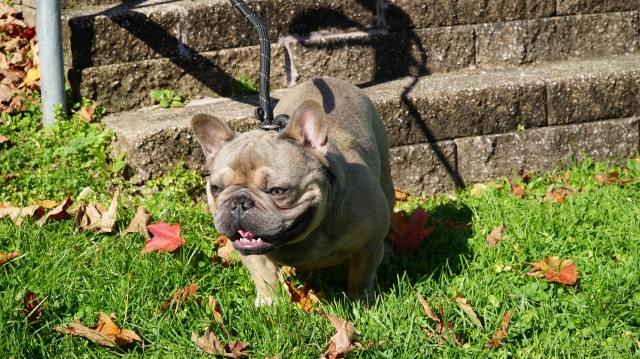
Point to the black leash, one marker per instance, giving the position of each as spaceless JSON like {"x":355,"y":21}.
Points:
{"x":264,"y":112}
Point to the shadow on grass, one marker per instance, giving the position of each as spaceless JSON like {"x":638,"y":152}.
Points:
{"x":443,"y":253}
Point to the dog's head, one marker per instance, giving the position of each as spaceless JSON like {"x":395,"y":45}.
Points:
{"x":266,"y":189}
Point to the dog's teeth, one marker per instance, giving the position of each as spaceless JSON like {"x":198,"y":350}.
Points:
{"x":259,"y":240}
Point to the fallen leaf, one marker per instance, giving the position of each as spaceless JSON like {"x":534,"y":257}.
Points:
{"x":48,"y":203}
{"x":477,"y":189}
{"x":449,"y":223}
{"x":58,"y":213}
{"x":139,"y":223}
{"x":466,"y":307}
{"x":165,"y":238}
{"x":342,"y":342}
{"x":443,"y":327}
{"x":558,"y":195}
{"x":496,"y":339}
{"x":606,"y":178}
{"x":105,"y":333}
{"x":94,"y":217}
{"x":32,"y":307}
{"x":181,"y":295}
{"x":225,"y":250}
{"x":518,"y":190}
{"x":401,"y":196}
{"x":33,"y":75}
{"x":7,"y":257}
{"x":408,"y":234}
{"x":216,"y":311}
{"x":210,"y":344}
{"x":555,"y":269}
{"x":86,"y":113}
{"x":11,"y":176}
{"x":496,"y":235}
{"x":4,"y":140}
{"x":303,"y":297}
{"x":18,"y":214}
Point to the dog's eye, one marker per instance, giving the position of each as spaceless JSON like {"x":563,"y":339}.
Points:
{"x":277,"y":191}
{"x":215,"y":190}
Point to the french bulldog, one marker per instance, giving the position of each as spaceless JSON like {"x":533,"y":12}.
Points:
{"x":313,"y":195}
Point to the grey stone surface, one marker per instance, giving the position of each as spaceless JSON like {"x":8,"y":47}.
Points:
{"x":488,"y":157}
{"x":127,"y":86}
{"x":571,"y":7}
{"x":481,"y":110}
{"x":556,"y":38}
{"x":134,"y":31}
{"x":581,"y":36}
{"x":160,"y":137}
{"x":594,"y":95}
{"x":384,"y":55}
{"x":448,"y":106}
{"x":424,"y":169}
{"x":108,"y":35}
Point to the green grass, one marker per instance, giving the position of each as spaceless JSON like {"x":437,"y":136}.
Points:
{"x":78,"y":273}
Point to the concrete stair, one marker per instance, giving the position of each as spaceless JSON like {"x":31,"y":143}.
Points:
{"x":456,"y":81}
{"x":445,"y":129}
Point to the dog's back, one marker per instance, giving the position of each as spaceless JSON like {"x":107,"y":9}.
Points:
{"x":353,"y":121}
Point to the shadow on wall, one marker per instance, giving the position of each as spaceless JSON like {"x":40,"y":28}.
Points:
{"x":399,"y":55}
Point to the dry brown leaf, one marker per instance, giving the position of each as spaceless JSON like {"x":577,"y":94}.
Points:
{"x":48,"y":203}
{"x":216,"y":311}
{"x":518,"y":190}
{"x":342,"y":342}
{"x":58,"y":213}
{"x":443,"y":327}
{"x":466,"y":307}
{"x":87,"y":113}
{"x":94,"y":217}
{"x":210,"y":344}
{"x":496,"y":339}
{"x":18,"y":214}
{"x":303,"y":297}
{"x":555,"y":269}
{"x":32,"y":307}
{"x":105,"y":333}
{"x":401,"y":196}
{"x":225,"y":251}
{"x":606,"y":178}
{"x":139,"y":223}
{"x":6,"y":257}
{"x":181,"y":295}
{"x":496,"y":235}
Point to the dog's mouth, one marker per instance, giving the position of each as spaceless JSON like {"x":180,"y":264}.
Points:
{"x":251,"y":243}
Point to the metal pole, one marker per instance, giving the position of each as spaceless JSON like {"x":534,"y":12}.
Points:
{"x":49,"y":30}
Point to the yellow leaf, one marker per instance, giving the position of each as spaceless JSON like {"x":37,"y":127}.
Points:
{"x":33,"y":75}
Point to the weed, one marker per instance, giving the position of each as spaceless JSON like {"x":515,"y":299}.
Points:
{"x":168,"y":98}
{"x":244,"y":85}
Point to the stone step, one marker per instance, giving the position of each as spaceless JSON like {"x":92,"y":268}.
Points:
{"x":362,"y":56}
{"x":444,"y":129}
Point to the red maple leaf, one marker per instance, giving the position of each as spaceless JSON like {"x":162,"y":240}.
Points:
{"x":166,"y":238}
{"x":408,"y":234}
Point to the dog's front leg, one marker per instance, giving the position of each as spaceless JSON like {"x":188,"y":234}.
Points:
{"x":265,"y":275}
{"x":362,"y":271}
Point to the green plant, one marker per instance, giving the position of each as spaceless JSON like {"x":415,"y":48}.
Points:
{"x":168,"y":98}
{"x":51,"y":162}
{"x":244,"y":85}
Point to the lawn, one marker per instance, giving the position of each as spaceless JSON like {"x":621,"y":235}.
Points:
{"x":75,"y":273}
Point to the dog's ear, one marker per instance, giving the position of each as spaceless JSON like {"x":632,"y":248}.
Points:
{"x":211,"y":133}
{"x":308,"y":126}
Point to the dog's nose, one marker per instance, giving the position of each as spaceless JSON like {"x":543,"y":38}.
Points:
{"x":241,"y":202}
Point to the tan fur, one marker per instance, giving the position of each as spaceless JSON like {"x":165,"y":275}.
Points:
{"x":334,"y":128}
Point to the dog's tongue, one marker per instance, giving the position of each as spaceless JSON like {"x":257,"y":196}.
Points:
{"x":246,"y":234}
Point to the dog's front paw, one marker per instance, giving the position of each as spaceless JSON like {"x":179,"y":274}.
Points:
{"x":262,"y":300}
{"x":366,"y":297}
